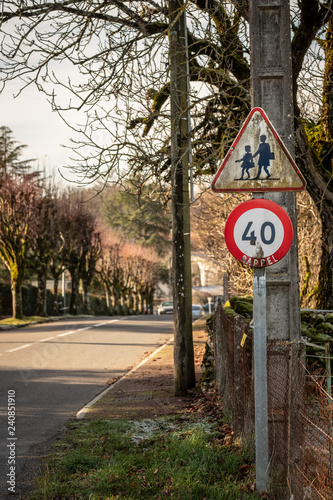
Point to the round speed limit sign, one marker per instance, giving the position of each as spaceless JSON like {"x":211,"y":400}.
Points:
{"x":258,"y":233}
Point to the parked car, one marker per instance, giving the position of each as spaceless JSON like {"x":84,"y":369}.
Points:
{"x":196,"y":310}
{"x":165,"y":307}
{"x":206,"y":307}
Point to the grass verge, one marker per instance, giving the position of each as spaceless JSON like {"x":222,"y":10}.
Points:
{"x":39,"y":319}
{"x":182,"y":457}
{"x":24,"y":321}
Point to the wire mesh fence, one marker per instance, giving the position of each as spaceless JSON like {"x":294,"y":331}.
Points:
{"x":300,"y":405}
{"x":317,"y":421}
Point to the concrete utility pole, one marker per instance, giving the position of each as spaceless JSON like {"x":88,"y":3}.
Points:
{"x":184,"y":372}
{"x":271,"y":89}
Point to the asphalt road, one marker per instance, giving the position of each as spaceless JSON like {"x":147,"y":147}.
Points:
{"x":48,"y":372}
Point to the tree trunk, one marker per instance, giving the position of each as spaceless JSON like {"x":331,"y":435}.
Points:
{"x":130,"y":303}
{"x":184,"y":372}
{"x":142,"y":302}
{"x":124,"y":304}
{"x":325,"y":287}
{"x":321,"y":194}
{"x":55,"y":308}
{"x":86,"y":297}
{"x":41,"y":294}
{"x":137,"y":302}
{"x":315,"y":157}
{"x":116,"y":300}
{"x":151,"y":301}
{"x":107,"y":298}
{"x":145,"y":298}
{"x":75,"y":291}
{"x":327,"y":108}
{"x":16,"y":288}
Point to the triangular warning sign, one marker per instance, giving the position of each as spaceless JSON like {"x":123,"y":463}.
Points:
{"x":258,"y":160}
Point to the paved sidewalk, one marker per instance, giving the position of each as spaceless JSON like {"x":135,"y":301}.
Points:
{"x":148,"y":390}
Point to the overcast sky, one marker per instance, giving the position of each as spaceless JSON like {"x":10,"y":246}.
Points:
{"x":33,"y":123}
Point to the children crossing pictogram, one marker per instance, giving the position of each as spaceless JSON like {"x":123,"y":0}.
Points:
{"x":265,"y":156}
{"x":265,"y":163}
{"x":247,"y":163}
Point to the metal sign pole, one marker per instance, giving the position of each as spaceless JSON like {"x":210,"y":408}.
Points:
{"x":259,"y":233}
{"x":272,"y":90}
{"x":260,"y":378}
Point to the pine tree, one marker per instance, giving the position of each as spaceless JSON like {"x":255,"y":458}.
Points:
{"x":10,"y":155}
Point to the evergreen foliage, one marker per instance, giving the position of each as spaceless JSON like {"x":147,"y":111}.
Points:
{"x":10,"y":155}
{"x":138,"y":213}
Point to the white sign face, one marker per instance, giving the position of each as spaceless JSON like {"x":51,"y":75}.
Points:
{"x":258,"y":233}
{"x":258,"y":160}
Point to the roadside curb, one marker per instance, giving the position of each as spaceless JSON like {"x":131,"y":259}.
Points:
{"x":147,"y":390}
{"x":82,"y":413}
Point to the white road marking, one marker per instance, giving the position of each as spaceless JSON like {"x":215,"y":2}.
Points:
{"x":66,"y":333}
{"x":18,"y":348}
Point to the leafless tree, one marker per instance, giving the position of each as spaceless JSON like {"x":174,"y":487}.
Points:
{"x":19,"y":198}
{"x":87,"y":265}
{"x":77,"y":228}
{"x":109,"y":268}
{"x":116,"y":54}
{"x":46,"y":245}
{"x":128,"y":272}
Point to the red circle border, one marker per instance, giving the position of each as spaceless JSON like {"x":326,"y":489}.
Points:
{"x":267,"y":205}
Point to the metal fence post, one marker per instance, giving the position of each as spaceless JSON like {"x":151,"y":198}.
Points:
{"x":260,"y":378}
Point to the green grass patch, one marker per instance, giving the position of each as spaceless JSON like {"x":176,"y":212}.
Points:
{"x":24,"y":321}
{"x":179,"y":457}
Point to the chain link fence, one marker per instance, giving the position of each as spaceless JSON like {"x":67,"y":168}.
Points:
{"x":317,"y":419}
{"x":300,"y":405}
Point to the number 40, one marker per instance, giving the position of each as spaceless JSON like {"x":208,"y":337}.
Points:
{"x":252,"y":236}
